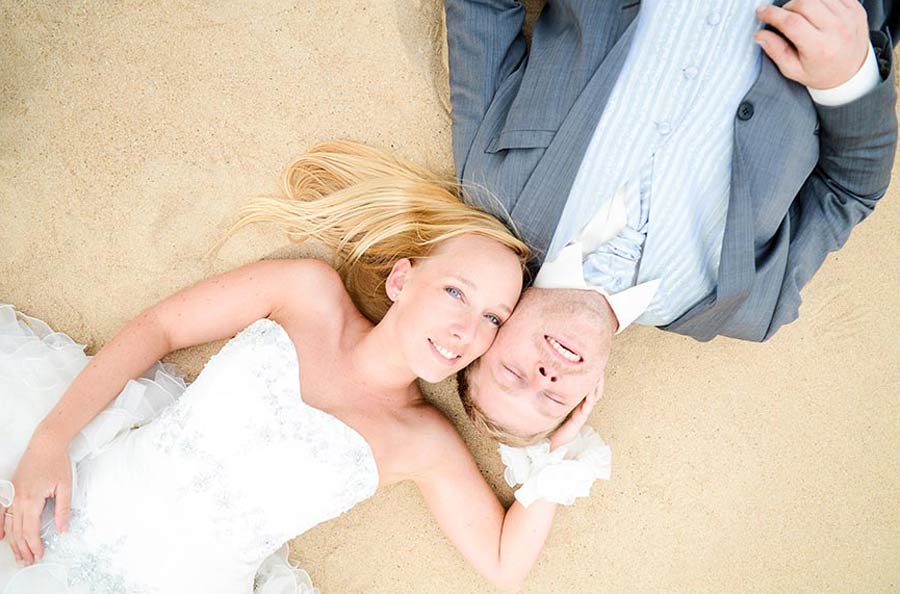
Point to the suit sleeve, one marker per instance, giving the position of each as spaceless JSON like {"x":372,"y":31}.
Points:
{"x":856,"y":153}
{"x":486,"y":45}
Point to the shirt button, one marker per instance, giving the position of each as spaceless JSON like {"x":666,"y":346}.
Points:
{"x":745,"y":111}
{"x":690,"y":72}
{"x":713,"y":19}
{"x":663,"y":127}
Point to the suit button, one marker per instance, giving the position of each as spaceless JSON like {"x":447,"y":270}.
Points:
{"x":745,"y":111}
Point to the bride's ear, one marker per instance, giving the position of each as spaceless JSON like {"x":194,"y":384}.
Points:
{"x":397,"y":278}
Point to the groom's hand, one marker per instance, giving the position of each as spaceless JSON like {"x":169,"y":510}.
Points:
{"x":827,"y":40}
{"x":577,"y":418}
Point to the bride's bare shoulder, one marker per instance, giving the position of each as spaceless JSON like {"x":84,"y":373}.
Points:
{"x":312,"y":288}
{"x":429,"y":439}
{"x":312,"y":273}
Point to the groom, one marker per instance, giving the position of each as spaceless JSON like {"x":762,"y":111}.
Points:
{"x":669,"y":162}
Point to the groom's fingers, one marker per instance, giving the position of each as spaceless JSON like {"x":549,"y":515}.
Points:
{"x":793,"y":25}
{"x":569,"y":429}
{"x":780,"y":51}
{"x":598,"y":389}
{"x":834,"y":6}
{"x":587,"y":405}
{"x":814,"y":11}
{"x":592,"y":398}
{"x":838,"y":7}
{"x":580,"y":414}
{"x":577,"y":418}
{"x":823,"y":56}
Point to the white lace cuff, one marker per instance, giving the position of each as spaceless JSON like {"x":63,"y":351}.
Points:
{"x":558,"y":476}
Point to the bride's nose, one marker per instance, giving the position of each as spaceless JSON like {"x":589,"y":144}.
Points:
{"x":463,"y":328}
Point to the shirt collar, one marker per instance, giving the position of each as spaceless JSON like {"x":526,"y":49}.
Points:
{"x":566,"y":272}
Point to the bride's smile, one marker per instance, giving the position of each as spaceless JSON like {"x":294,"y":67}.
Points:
{"x":455,"y":299}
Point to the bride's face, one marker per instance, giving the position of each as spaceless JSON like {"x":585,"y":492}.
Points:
{"x":448,"y":307}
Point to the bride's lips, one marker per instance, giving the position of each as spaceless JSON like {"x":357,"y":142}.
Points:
{"x":447,"y":357}
{"x":563,"y":351}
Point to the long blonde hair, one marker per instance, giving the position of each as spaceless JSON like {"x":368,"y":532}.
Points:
{"x":372,"y":209}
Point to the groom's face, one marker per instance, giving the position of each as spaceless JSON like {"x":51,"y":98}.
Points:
{"x":546,"y":358}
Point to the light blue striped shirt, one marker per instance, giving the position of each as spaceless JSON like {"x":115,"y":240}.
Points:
{"x":664,"y":145}
{"x":665,"y":139}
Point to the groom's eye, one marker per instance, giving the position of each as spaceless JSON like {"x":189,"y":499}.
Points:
{"x":552,"y":398}
{"x":512,"y":373}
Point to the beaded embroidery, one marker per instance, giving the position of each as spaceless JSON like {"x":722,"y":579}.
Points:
{"x":252,"y":388}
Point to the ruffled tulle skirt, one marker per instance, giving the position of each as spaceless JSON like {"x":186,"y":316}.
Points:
{"x":37,"y":364}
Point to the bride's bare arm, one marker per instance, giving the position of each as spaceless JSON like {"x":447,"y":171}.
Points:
{"x":215,"y":308}
{"x":212,"y":309}
{"x":502,"y":544}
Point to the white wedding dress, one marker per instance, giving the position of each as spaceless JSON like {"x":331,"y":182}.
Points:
{"x":180,"y":489}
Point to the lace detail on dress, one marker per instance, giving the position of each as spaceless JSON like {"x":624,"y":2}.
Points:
{"x":281,"y":374}
{"x":196,"y":498}
{"x":86,"y":568}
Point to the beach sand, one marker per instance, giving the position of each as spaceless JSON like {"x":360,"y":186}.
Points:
{"x":130,"y":133}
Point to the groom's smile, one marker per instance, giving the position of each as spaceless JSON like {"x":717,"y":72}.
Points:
{"x":568,"y":355}
{"x":549,"y":354}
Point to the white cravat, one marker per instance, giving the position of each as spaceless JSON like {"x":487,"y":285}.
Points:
{"x":664,"y":143}
{"x":566,"y":271}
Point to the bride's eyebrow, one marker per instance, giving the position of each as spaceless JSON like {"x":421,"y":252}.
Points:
{"x":501,"y":307}
{"x":505,"y":309}
{"x":463,"y":281}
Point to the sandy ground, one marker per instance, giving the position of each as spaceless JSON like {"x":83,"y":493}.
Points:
{"x":130,"y":132}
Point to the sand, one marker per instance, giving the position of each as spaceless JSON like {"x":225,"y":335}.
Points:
{"x":130,"y":132}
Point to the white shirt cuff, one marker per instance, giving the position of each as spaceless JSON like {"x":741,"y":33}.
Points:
{"x":861,"y":83}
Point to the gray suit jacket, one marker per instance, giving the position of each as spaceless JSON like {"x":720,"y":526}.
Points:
{"x":802,"y":175}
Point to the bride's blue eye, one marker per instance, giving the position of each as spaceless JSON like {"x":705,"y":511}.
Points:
{"x":454,"y":292}
{"x":493,"y":319}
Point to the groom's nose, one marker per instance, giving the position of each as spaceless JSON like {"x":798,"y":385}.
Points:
{"x":546,"y":374}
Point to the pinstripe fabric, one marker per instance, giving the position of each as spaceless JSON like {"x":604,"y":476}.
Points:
{"x":802,"y":176}
{"x":666,"y":138}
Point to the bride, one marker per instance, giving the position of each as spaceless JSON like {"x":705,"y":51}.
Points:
{"x":154,"y":486}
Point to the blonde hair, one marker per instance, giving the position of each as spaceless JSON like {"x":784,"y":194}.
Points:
{"x":372,"y":209}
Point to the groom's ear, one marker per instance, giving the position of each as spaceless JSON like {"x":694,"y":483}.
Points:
{"x":397,"y":278}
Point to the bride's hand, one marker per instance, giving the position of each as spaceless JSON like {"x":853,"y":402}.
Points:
{"x":44,"y":471}
{"x":579,"y":416}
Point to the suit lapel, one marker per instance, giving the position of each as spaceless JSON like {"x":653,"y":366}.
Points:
{"x":541,"y":203}
{"x":775,"y":142}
